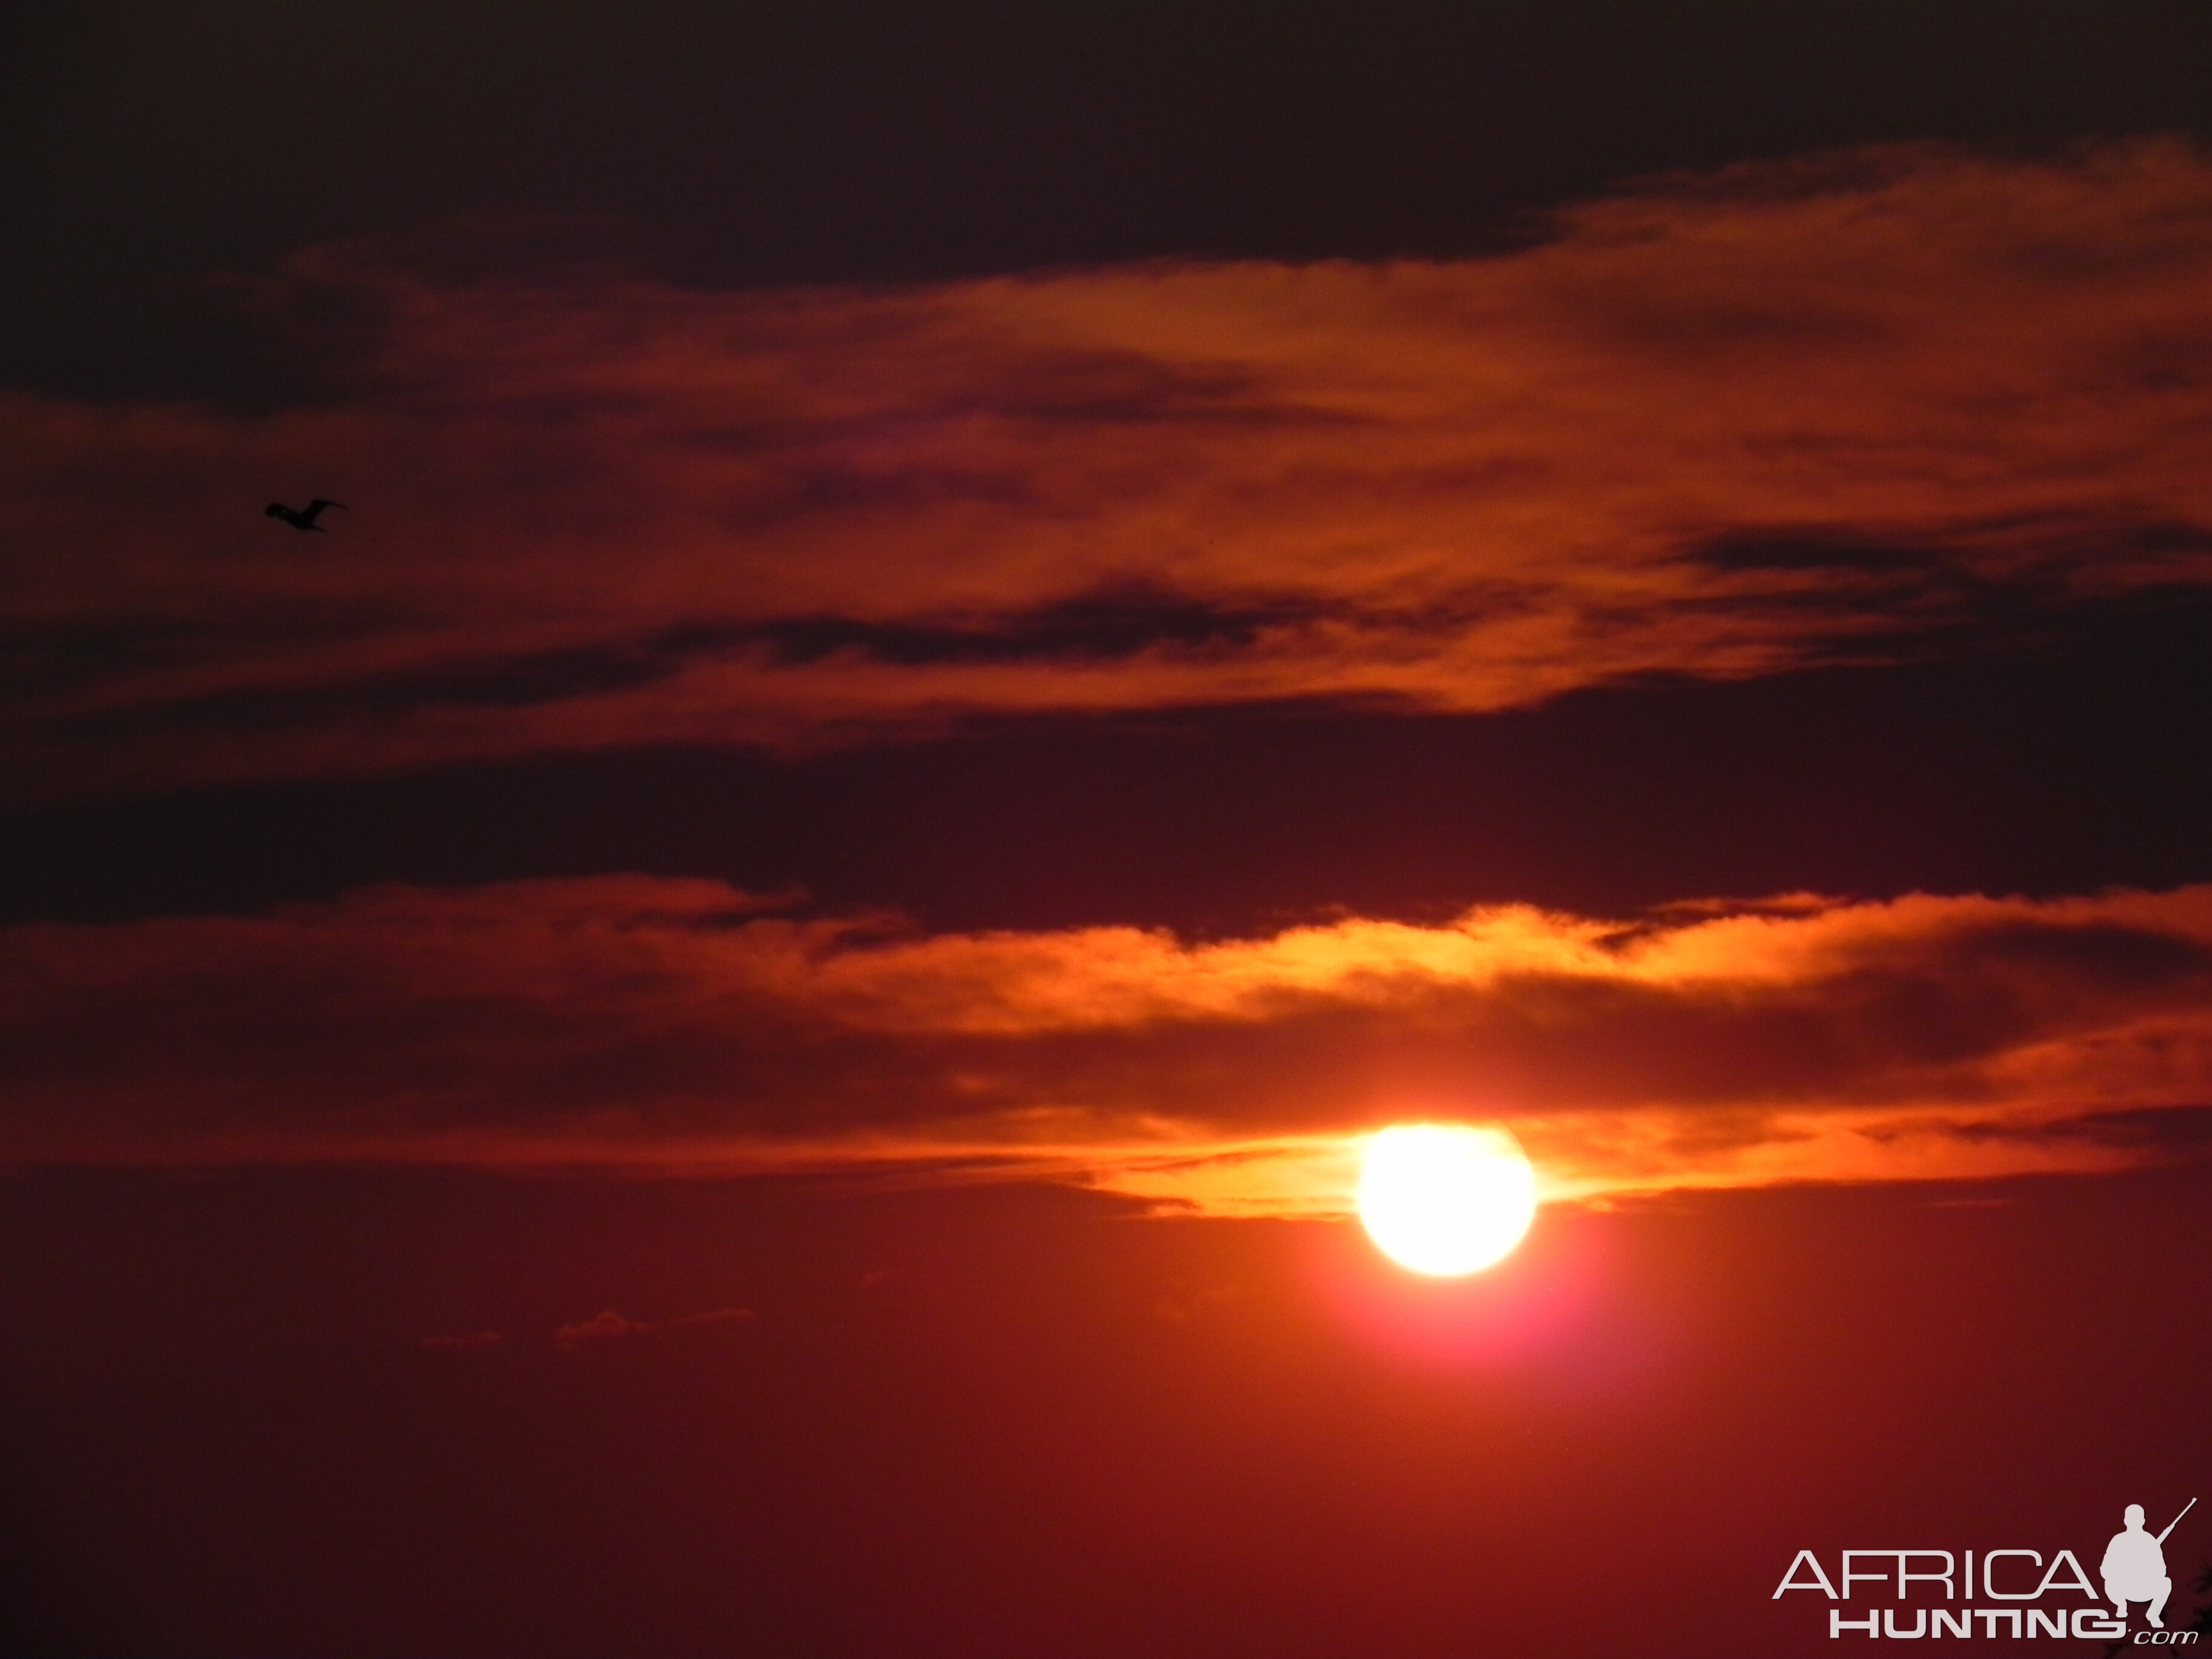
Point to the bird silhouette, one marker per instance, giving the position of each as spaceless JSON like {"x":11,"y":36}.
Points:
{"x":301,"y":518}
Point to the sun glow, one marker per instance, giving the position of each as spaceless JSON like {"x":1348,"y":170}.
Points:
{"x":1446,"y":1199}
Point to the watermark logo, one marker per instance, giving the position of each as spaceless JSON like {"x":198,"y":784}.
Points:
{"x":2133,"y":1571}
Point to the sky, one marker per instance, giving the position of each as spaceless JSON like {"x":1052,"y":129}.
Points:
{"x":736,"y":1010}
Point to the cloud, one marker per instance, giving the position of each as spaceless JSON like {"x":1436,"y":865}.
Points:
{"x":682,"y":1025}
{"x":605,"y":1325}
{"x":608,"y":1326}
{"x":1847,"y":408}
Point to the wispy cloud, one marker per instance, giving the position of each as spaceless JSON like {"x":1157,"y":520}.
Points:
{"x":676,"y":1024}
{"x":608,"y":1326}
{"x":1727,"y":425}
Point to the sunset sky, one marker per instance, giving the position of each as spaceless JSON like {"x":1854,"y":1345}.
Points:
{"x":966,"y":642}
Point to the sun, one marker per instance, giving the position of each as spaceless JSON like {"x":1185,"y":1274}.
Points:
{"x":1446,"y":1198}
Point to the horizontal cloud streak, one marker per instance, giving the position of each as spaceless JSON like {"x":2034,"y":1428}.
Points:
{"x":634,"y":1020}
{"x":1785,"y":414}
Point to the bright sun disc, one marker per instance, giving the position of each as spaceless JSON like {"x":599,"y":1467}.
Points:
{"x":1446,"y":1199}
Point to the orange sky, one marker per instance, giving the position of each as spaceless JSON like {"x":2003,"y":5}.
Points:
{"x":965,"y":642}
{"x":1786,"y":413}
{"x":1835,"y":410}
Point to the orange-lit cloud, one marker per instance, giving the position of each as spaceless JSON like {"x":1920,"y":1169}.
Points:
{"x":1787,"y":413}
{"x":675,"y":1023}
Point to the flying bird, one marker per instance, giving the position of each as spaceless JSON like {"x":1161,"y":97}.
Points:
{"x":301,"y":518}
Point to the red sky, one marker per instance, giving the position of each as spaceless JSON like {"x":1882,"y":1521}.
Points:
{"x":738,"y":1016}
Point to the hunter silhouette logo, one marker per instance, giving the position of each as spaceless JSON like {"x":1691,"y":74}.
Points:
{"x":2133,"y":1569}
{"x":2134,"y":1566}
